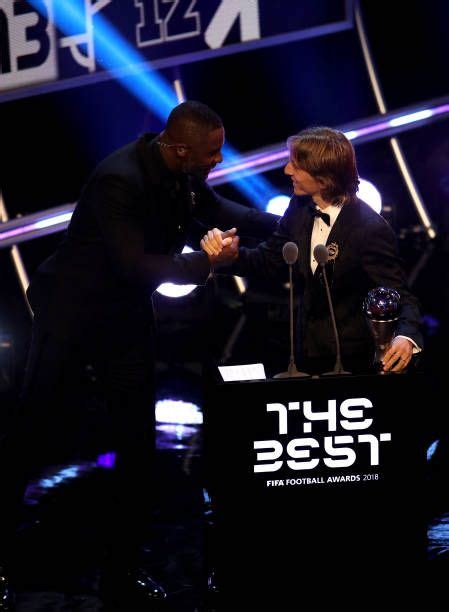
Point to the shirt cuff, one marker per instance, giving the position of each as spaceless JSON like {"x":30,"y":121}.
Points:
{"x":416,"y":348}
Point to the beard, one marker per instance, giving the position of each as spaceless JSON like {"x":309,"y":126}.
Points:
{"x":201,"y":172}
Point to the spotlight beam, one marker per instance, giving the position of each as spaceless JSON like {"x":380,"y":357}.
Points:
{"x":113,"y":52}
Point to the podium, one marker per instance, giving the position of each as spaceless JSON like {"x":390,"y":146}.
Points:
{"x":317,"y":489}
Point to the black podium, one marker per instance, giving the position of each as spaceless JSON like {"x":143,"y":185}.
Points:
{"x":316,"y":487}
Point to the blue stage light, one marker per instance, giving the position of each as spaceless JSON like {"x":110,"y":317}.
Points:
{"x":255,"y":187}
{"x":115,"y":54}
{"x":431,"y":450}
{"x":277,"y":205}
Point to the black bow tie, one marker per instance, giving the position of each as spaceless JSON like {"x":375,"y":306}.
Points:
{"x":317,"y":213}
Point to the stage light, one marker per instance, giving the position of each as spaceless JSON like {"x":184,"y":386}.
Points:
{"x":366,"y":192}
{"x":115,"y":53}
{"x":54,"y":478}
{"x":52,"y":223}
{"x":370,"y":194}
{"x":411,"y":118}
{"x":20,"y":230}
{"x":178,"y":412}
{"x":431,"y":450}
{"x":134,"y":72}
{"x":63,"y":218}
{"x":67,"y":473}
{"x":173,"y":290}
{"x":254,"y":186}
{"x":107,"y":460}
{"x":278,"y":205}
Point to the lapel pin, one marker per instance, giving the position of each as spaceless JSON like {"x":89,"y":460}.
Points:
{"x":332,"y":249}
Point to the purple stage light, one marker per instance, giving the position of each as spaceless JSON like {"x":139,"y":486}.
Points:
{"x":106,"y":460}
{"x":33,"y":226}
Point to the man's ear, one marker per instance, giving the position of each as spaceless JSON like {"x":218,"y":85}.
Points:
{"x":323,"y":183}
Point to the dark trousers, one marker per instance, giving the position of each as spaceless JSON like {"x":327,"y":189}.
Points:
{"x":110,"y":367}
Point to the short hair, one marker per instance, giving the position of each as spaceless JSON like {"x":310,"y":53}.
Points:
{"x":327,"y":154}
{"x":192,"y":115}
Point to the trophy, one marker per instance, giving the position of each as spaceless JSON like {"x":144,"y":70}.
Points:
{"x":381,"y":307}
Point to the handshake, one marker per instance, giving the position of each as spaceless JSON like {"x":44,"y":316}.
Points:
{"x":222,"y":248}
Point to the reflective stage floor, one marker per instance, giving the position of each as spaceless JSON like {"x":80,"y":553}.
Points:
{"x":61,"y":545}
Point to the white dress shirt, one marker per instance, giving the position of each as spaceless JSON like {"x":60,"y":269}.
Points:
{"x":321,"y":231}
{"x":320,"y":234}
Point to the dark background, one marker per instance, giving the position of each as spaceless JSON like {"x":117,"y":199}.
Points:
{"x":49,"y":145}
{"x":51,"y":142}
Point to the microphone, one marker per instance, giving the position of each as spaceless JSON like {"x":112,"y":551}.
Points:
{"x":290,"y":255}
{"x":321,"y":255}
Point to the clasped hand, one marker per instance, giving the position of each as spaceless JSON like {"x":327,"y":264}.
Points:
{"x":222,"y":248}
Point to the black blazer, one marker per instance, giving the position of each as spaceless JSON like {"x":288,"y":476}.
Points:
{"x":367,"y":258}
{"x":125,"y":237}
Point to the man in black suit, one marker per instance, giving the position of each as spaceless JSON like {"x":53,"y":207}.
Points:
{"x":363,"y":255}
{"x":93,"y":315}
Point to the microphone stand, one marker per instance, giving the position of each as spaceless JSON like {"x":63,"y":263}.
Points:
{"x":292,"y":371}
{"x":338,"y":367}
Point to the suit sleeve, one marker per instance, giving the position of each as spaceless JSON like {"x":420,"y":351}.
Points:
{"x":266,"y":260}
{"x":382,"y":264}
{"x":217,"y":211}
{"x":121,"y":227}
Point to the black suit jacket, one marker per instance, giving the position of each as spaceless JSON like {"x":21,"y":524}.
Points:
{"x":367,"y":258}
{"x":125,"y":237}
